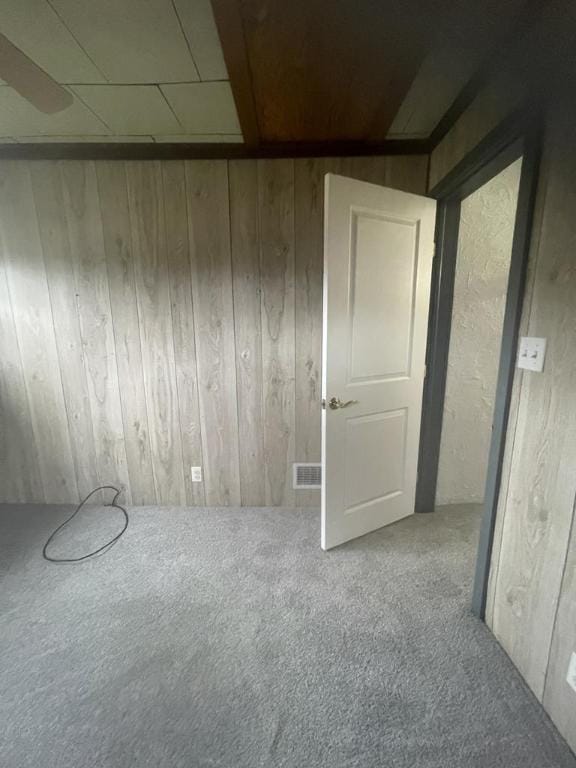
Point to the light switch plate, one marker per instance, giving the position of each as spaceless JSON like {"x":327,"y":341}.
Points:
{"x":531,"y":353}
{"x":571,"y":676}
{"x":196,"y":473}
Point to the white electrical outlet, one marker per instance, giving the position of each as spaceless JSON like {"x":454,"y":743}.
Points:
{"x":571,"y":676}
{"x":531,"y":353}
{"x":196,"y":474}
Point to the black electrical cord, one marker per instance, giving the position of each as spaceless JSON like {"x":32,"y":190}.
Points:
{"x":73,"y":515}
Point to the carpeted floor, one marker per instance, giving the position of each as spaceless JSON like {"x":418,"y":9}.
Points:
{"x":227,"y":638}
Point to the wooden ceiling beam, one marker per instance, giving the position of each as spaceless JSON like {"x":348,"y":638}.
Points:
{"x":180,"y":151}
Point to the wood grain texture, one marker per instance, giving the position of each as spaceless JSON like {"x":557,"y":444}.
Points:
{"x":309,"y":257}
{"x":113,"y":198}
{"x":175,"y":321}
{"x":244,"y":231}
{"x":230,"y":29}
{"x":209,"y":222}
{"x":276,"y":210}
{"x":558,"y":696}
{"x":541,"y":489}
{"x":509,"y":447}
{"x":89,"y":261}
{"x":532,"y":590}
{"x":51,"y":214}
{"x":178,"y":254}
{"x":19,"y":464}
{"x":32,"y":312}
{"x":153,"y":292}
{"x":330,"y":91}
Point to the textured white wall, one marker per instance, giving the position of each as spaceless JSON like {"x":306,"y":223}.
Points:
{"x":484,"y":248}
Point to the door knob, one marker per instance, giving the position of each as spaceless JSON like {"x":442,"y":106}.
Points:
{"x":335,"y":403}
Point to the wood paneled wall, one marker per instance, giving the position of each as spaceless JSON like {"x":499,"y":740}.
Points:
{"x":160,"y":315}
{"x":532,"y":594}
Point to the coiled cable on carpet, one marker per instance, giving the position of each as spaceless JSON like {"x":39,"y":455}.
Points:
{"x":108,"y":544}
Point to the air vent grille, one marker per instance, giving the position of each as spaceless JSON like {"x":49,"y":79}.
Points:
{"x":307,"y":476}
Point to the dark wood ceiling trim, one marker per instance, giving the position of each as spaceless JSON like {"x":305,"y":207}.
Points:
{"x":502,"y":51}
{"x":460,"y":105}
{"x":231,"y":31}
{"x":138,"y":151}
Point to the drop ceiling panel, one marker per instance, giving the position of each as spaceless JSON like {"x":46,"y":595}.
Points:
{"x":130,"y":109}
{"x":200,"y":30}
{"x":19,"y":118}
{"x":203,"y":107}
{"x":131,"y":41}
{"x":82,"y":139}
{"x":35,"y":28}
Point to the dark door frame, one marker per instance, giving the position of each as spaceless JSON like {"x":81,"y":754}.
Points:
{"x":518,"y":136}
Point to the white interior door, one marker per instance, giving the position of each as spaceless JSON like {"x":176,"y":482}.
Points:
{"x":378,"y":250}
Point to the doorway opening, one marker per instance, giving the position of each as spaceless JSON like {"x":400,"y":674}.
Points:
{"x":470,"y":319}
{"x":483,"y":257}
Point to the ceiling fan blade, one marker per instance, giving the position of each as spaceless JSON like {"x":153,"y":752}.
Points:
{"x":31,"y":82}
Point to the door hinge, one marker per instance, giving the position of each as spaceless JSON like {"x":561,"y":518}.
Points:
{"x":323,"y":403}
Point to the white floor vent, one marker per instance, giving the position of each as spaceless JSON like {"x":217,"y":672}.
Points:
{"x":307,"y":476}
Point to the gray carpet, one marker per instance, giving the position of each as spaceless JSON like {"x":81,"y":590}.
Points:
{"x":227,"y":638}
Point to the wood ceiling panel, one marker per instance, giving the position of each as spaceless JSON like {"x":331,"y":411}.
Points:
{"x":332,"y":71}
{"x":129,"y":40}
{"x":200,"y":30}
{"x":35,"y":28}
{"x":130,"y":109}
{"x":203,"y":107}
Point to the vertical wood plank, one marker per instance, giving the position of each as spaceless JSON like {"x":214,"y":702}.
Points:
{"x":309,"y":257}
{"x":113,"y":201}
{"x":371,"y":169}
{"x":247,"y":327}
{"x":540,"y":498}
{"x":29,"y":295}
{"x":178,"y":255}
{"x":153,"y":294}
{"x":558,"y":696}
{"x":509,"y":448}
{"x":209,"y":223}
{"x":20,"y":479}
{"x":89,"y":260}
{"x":128,"y":311}
{"x":407,"y":173}
{"x":49,"y":199}
{"x":276,"y":206}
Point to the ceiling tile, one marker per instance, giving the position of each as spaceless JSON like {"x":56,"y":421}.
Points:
{"x":35,"y":28}
{"x":203,"y":107}
{"x":200,"y":30}
{"x":82,"y":139}
{"x":131,"y":41}
{"x":19,"y":118}
{"x":130,"y":109}
{"x":201,"y":138}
